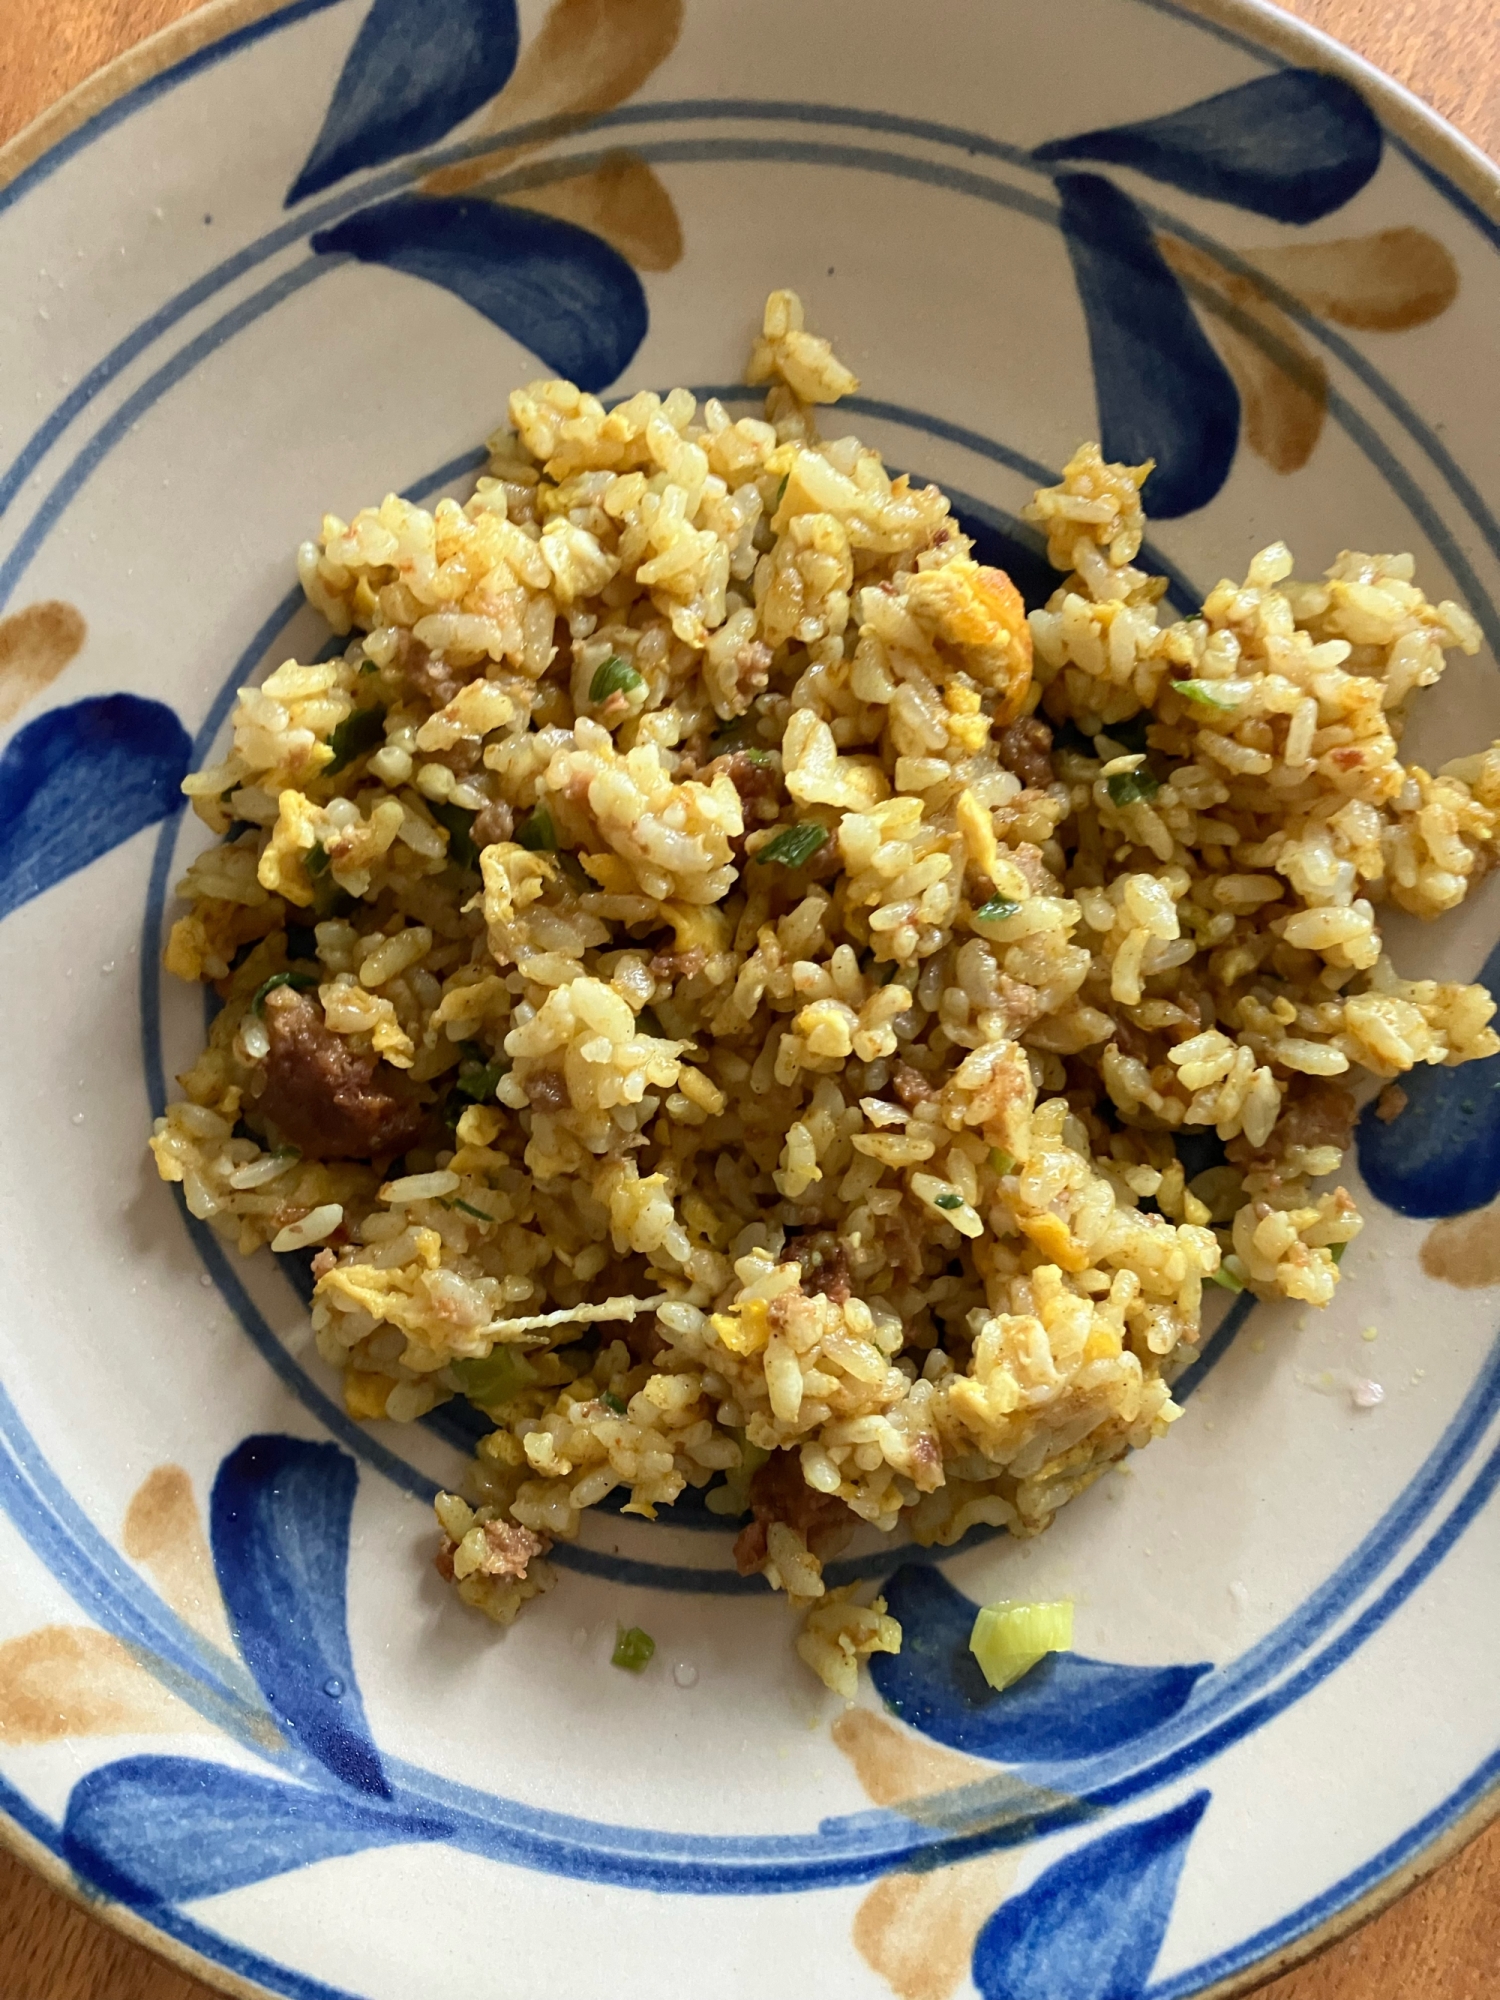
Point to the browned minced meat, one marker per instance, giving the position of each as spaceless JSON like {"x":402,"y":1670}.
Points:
{"x":429,"y":674}
{"x":329,"y":1100}
{"x":759,"y":785}
{"x":493,"y":822}
{"x":752,"y":668}
{"x":1032,"y":863}
{"x":824,"y":1258}
{"x":778,"y":1492}
{"x":1026,"y":749}
{"x":910,"y":1086}
{"x":1390,"y":1104}
{"x":673,"y":965}
{"x":509,"y":1548}
{"x":1321,"y":1114}
{"x":547,"y":1090}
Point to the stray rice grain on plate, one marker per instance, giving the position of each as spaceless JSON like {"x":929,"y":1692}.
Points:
{"x":719,"y":986}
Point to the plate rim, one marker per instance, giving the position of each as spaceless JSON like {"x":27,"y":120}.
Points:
{"x":1473,"y":184}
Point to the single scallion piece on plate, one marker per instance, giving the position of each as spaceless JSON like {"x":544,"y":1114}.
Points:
{"x":796,"y":845}
{"x":633,"y":1648}
{"x":613,"y":676}
{"x":1009,"y":1638}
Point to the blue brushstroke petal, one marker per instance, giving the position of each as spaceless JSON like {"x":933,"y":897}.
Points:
{"x":1162,"y":391}
{"x":279,"y":1524}
{"x":1091,"y":1925}
{"x":1294,"y":146}
{"x":417,"y":69}
{"x":1069,"y":1706}
{"x":79,"y":781}
{"x":152,"y":1830}
{"x":557,"y":289}
{"x":1442,"y":1155}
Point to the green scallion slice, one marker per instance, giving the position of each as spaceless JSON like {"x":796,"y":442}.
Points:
{"x":615,"y":676}
{"x":1336,"y":1251}
{"x":612,"y":1402}
{"x":796,"y":845}
{"x":1129,"y":788}
{"x":478,"y":1081}
{"x":458,"y":823}
{"x":536,"y":832}
{"x":1204,"y":694}
{"x":997,"y":909}
{"x":633,"y":1649}
{"x":1000,"y":1161}
{"x":300,"y":980}
{"x":1226,"y":1279}
{"x":317,"y":861}
{"x":1009,"y":1638}
{"x":949,"y":1201}
{"x":493,"y":1378}
{"x":1131,"y":734}
{"x":469,"y":1209}
{"x":357,"y":733}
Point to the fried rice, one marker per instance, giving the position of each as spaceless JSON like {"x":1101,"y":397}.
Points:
{"x":722,"y":989}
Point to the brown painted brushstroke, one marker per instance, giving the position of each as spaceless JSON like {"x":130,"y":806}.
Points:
{"x":1283,"y":385}
{"x":1464,"y":1250}
{"x":621,"y":200}
{"x":588,"y":56}
{"x":918,"y":1931}
{"x":35,"y":645}
{"x":1383,"y":283}
{"x":73,"y":1680}
{"x":163,"y":1532}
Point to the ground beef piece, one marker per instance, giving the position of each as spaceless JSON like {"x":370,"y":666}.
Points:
{"x":429,"y":674}
{"x":331,"y":1101}
{"x":825,"y":1265}
{"x":547,"y":1090}
{"x":1032,"y":863}
{"x":1320,"y":1114}
{"x":778,"y":1492}
{"x":493,"y":822}
{"x":1026,"y":749}
{"x":910,"y":1086}
{"x":752,"y":669}
{"x":758,"y":784}
{"x":675,"y":965}
{"x":508,"y":1548}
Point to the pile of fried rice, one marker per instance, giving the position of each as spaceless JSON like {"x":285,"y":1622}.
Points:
{"x":722,"y":988}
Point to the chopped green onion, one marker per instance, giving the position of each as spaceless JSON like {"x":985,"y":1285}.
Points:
{"x":780,"y":491}
{"x":479,"y":1081}
{"x":458,"y":823}
{"x":536,"y":833}
{"x":1130,"y":734}
{"x":1009,"y":1639}
{"x":300,"y":980}
{"x":633,"y":1649}
{"x":1206,"y":694}
{"x":1336,"y":1251}
{"x":577,"y":875}
{"x":357,"y":733}
{"x":1129,"y":788}
{"x":612,"y":1402}
{"x":997,"y":909}
{"x":317,"y":862}
{"x":949,"y":1201}
{"x":469,"y":1209}
{"x":615,"y":676}
{"x":1000,"y":1161}
{"x":493,"y":1378}
{"x":1227,"y":1279}
{"x":757,"y":756}
{"x":884,"y":974}
{"x":368,"y":667}
{"x":796,"y":845}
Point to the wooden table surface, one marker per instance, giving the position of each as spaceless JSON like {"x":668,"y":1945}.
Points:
{"x":1440,"y":1942}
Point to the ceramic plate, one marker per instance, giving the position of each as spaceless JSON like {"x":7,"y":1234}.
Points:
{"x":269,"y":265}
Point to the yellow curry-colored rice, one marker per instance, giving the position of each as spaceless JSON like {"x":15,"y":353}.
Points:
{"x":737,"y":982}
